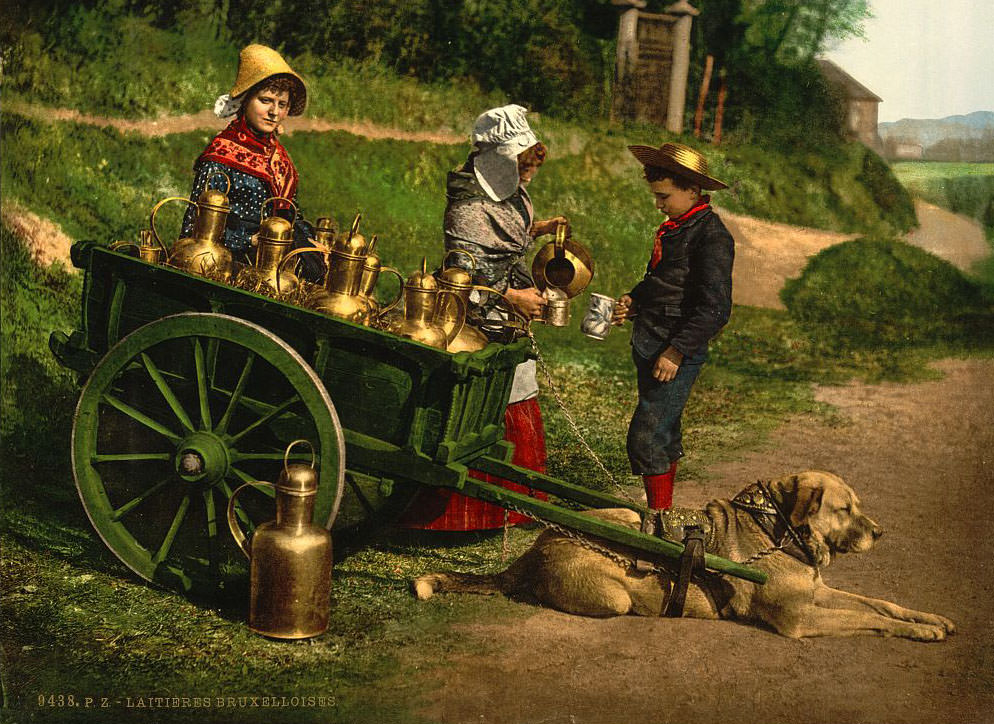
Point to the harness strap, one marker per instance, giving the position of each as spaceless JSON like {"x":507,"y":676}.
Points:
{"x":691,"y":561}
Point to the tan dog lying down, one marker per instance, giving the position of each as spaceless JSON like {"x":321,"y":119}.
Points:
{"x":824,"y":513}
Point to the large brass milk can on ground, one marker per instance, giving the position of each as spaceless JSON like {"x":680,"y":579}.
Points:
{"x":204,"y":253}
{"x":459,"y":283}
{"x":338,"y":295}
{"x":273,"y":241}
{"x":423,"y":312}
{"x":290,"y":558}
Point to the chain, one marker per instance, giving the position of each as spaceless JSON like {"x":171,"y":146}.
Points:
{"x":572,"y":423}
{"x":584,"y":542}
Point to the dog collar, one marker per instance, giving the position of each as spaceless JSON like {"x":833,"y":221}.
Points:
{"x":759,"y":502}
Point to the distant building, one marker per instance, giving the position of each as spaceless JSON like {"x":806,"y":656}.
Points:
{"x":906,"y":151}
{"x":861,"y":105}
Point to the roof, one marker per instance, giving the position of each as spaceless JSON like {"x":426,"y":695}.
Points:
{"x":852,"y":87}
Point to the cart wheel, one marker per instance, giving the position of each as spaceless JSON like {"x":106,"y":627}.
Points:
{"x":176,"y":416}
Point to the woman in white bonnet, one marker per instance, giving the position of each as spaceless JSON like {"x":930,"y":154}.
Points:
{"x":489,"y":214}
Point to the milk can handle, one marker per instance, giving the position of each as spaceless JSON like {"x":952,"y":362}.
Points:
{"x":262,"y":209}
{"x":226,"y":177}
{"x":286,"y":454}
{"x":355,"y":227}
{"x":462,"y":322}
{"x":122,"y":244}
{"x":400,"y":290}
{"x":560,"y":246}
{"x":303,"y":250}
{"x":233,"y":526}
{"x":450,"y":252}
{"x":155,"y":210}
{"x":510,"y":305}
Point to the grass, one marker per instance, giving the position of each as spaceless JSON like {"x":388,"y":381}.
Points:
{"x":73,"y":614}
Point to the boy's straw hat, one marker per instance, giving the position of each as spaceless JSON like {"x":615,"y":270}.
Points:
{"x":258,"y":62}
{"x":682,"y":160}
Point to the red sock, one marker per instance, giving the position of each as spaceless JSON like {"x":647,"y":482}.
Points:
{"x":659,"y":489}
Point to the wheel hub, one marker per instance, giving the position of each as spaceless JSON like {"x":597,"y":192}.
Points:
{"x":202,"y":458}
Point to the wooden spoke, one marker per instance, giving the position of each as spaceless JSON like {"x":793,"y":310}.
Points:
{"x":128,"y":457}
{"x":135,"y":502}
{"x":167,"y":542}
{"x":167,"y":393}
{"x":141,"y":417}
{"x":201,"y":365}
{"x":272,"y":414}
{"x":236,"y":396}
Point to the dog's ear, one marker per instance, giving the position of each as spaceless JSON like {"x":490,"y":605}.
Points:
{"x":806,"y":503}
{"x":799,"y":496}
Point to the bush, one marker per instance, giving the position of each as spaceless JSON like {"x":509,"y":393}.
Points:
{"x":867,"y":294}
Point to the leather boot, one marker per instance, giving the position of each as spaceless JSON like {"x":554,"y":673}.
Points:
{"x":659,"y":489}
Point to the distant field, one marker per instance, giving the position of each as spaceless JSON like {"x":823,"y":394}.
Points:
{"x":908,"y":172}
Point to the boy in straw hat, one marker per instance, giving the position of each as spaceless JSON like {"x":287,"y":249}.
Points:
{"x":683,"y":300}
{"x":249,"y":152}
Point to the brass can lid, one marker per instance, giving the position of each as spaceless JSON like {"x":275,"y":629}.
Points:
{"x":421,"y":279}
{"x":215,"y":198}
{"x":351,"y":244}
{"x":455,"y":278}
{"x":276,"y":229}
{"x":298,"y":479}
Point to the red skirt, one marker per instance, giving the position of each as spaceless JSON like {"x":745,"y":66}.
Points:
{"x":440,"y":509}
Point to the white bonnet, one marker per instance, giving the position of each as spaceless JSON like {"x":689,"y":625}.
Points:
{"x":499,"y":135}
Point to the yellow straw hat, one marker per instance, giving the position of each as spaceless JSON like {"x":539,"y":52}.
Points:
{"x":682,"y":160}
{"x":258,"y":62}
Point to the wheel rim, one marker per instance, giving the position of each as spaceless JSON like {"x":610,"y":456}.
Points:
{"x":176,"y":416}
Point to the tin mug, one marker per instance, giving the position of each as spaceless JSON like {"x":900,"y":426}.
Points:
{"x":556,"y":312}
{"x":597,"y":322}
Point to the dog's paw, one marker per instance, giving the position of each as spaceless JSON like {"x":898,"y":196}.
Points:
{"x":927,"y":632}
{"x":422,"y":588}
{"x":948,"y":625}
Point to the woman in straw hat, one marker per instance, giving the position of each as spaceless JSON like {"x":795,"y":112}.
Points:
{"x":489,"y":214}
{"x":249,"y":152}
{"x":683,"y":300}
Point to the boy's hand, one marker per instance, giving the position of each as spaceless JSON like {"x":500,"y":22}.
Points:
{"x":548,"y":226}
{"x":667,"y":364}
{"x":624,"y":309}
{"x":529,"y":302}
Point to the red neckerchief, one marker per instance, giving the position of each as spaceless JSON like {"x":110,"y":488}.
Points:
{"x":261,"y":156}
{"x":670,"y":225}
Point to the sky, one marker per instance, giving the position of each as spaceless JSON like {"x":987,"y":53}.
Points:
{"x":925,"y":58}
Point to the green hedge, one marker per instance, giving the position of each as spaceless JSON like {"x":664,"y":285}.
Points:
{"x":868,"y":293}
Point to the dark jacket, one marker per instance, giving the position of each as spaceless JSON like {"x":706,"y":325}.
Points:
{"x":687,"y":298}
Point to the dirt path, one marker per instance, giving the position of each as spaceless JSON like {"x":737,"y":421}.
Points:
{"x":922,"y":458}
{"x":957,"y":239}
{"x":164,"y":125}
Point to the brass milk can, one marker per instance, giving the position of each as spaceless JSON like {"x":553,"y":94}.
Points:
{"x":149,"y":248}
{"x":422,"y":311}
{"x":273,"y":241}
{"x":371,"y":270}
{"x":204,"y":253}
{"x":290,"y":558}
{"x":459,"y":283}
{"x":339,"y":295}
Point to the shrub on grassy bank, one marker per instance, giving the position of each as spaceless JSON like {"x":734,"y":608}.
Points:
{"x":867,"y":294}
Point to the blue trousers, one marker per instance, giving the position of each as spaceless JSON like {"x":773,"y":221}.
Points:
{"x":654,"y":438}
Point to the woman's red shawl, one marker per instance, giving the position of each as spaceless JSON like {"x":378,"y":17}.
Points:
{"x":263,"y":157}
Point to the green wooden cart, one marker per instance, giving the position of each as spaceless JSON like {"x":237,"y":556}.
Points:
{"x":193,"y":387}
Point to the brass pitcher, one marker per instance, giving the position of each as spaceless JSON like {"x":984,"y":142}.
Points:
{"x":563,"y":263}
{"x":204,"y":253}
{"x":149,"y":248}
{"x":422,"y":310}
{"x":290,"y":581}
{"x":338,"y":294}
{"x":459,"y":282}
{"x":372,"y":267}
{"x":273,"y":241}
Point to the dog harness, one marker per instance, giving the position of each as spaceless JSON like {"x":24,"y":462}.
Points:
{"x":759,"y":502}
{"x":695,"y":529}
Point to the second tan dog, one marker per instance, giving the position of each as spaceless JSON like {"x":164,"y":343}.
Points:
{"x":824,"y":516}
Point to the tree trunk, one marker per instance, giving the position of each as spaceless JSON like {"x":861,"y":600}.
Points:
{"x":719,"y":113}
{"x":703,"y":95}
